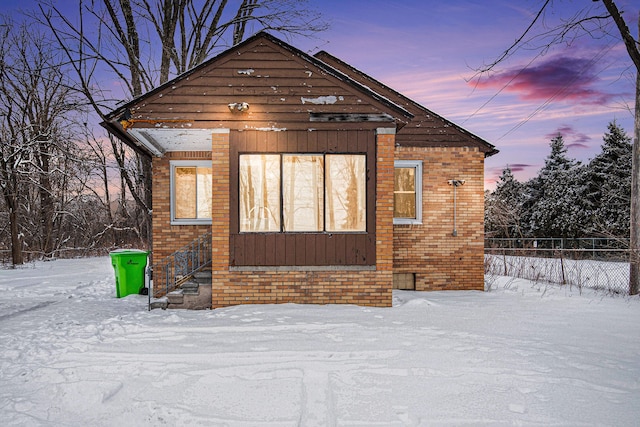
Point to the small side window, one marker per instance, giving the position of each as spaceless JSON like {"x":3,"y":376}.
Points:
{"x":407,"y":192}
{"x":190,"y":192}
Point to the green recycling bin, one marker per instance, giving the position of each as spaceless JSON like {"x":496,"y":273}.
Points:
{"x":129,"y":266}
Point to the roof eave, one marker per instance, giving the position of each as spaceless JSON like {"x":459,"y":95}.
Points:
{"x":142,"y":147}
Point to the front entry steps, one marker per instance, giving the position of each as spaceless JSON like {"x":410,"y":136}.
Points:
{"x":192,"y":295}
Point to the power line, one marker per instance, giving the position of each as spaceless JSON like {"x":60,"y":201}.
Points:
{"x":502,"y":88}
{"x":560,"y":91}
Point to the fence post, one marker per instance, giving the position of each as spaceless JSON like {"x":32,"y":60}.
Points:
{"x":564,"y":280}
{"x":504,"y":261}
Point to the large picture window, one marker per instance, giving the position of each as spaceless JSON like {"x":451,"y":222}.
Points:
{"x":190,"y":192}
{"x":302,"y":193}
{"x":407,"y":192}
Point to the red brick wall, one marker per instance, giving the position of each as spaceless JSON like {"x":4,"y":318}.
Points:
{"x":439,"y":260}
{"x":168,"y":238}
{"x":319,"y":286}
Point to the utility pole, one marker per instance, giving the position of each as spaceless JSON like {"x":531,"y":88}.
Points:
{"x":633,"y":48}
{"x":634,"y":240}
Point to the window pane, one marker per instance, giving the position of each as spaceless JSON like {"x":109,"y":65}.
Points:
{"x":404,"y":193}
{"x":302,"y":193}
{"x":259,"y":192}
{"x":185,"y":193}
{"x":346,"y":193}
{"x":204,"y":192}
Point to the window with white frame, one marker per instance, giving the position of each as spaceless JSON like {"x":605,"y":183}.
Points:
{"x":190,"y":192}
{"x":302,"y":192}
{"x":407,"y":192}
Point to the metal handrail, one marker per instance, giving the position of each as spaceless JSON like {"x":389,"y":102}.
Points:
{"x":175,"y":269}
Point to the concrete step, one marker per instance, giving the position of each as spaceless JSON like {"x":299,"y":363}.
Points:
{"x":175,"y":297}
{"x":194,"y":294}
{"x":202,"y":277}
{"x":190,"y":299}
{"x":190,"y":287}
{"x":159,"y":303}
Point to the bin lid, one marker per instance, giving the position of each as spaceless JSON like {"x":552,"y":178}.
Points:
{"x":128,"y":251}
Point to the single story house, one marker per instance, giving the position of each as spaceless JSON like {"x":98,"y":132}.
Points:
{"x":317,"y":183}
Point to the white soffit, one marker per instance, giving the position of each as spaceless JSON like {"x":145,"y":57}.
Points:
{"x":162,"y":140}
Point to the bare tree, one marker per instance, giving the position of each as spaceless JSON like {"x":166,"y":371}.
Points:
{"x":13,"y":154}
{"x":105,"y":192}
{"x":144,"y":43}
{"x":596,"y":24}
{"x":37,"y":156}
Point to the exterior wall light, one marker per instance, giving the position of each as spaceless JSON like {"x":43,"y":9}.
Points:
{"x":238,"y":107}
{"x":456,"y":183}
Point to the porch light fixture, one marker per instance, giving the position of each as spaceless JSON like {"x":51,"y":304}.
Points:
{"x":456,"y":183}
{"x":238,"y":107}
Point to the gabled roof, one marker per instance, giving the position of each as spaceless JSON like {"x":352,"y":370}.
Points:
{"x":153,"y":127}
{"x":311,"y":59}
{"x":418,"y":132}
{"x":115,"y":118}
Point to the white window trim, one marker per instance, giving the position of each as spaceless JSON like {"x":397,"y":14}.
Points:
{"x":173,"y":164}
{"x":417,"y":165}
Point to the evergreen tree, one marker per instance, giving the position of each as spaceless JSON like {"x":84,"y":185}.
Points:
{"x":610,"y":184}
{"x":555,"y":198}
{"x":504,"y":207}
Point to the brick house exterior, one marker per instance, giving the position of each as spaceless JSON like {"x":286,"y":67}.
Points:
{"x":264,"y":100}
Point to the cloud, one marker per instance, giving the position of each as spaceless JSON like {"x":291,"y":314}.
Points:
{"x":518,"y":167}
{"x":572,"y":137}
{"x":562,"y":77}
{"x":521,"y":171}
{"x":578,"y":145}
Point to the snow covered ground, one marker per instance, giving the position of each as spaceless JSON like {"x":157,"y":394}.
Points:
{"x":523,"y":354}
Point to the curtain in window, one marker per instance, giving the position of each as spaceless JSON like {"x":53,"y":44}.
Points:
{"x":203,"y":192}
{"x":319,"y":193}
{"x":192,"y":191}
{"x":303,"y":192}
{"x":404,"y":193}
{"x":259,"y":192}
{"x":346,"y":192}
{"x":185,"y":192}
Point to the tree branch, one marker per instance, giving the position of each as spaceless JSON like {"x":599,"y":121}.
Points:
{"x":632,"y":45}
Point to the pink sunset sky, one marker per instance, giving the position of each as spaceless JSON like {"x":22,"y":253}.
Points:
{"x":430,"y":50}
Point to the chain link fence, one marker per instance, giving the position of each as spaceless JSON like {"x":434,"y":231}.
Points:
{"x":594,"y":263}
